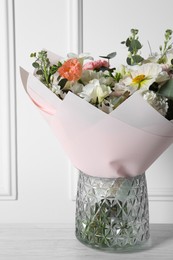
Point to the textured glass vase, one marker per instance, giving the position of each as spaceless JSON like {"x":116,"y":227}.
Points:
{"x":112,"y":214}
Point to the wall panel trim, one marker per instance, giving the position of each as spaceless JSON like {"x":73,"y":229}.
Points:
{"x":8,"y":150}
{"x":75,"y":15}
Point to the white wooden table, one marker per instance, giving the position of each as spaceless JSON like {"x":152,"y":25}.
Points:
{"x":56,"y":242}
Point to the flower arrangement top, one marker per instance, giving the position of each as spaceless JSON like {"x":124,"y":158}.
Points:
{"x":106,"y":87}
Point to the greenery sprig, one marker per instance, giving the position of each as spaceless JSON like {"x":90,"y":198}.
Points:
{"x":43,"y":67}
{"x":166,"y":47}
{"x":166,"y":90}
{"x":134,"y":46}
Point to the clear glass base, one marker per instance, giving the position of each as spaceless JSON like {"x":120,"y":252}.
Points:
{"x":145,"y":245}
{"x":112,"y":214}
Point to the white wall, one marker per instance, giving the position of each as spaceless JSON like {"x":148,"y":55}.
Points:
{"x":43,"y":168}
{"x":44,"y":175}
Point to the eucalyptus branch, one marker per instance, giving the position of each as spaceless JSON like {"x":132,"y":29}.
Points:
{"x":166,"y":47}
{"x":134,"y":46}
{"x":43,"y":67}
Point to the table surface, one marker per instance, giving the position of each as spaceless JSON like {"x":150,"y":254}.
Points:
{"x":56,"y":242}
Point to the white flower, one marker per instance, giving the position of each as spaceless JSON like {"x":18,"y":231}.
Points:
{"x":121,"y":87}
{"x":158,"y":102}
{"x":57,"y":90}
{"x":76,"y":88}
{"x":109,"y":81}
{"x":95,"y":92}
{"x":89,"y":75}
{"x":81,"y":57}
{"x":143,"y":76}
{"x":162,"y":77}
{"x":153,"y":58}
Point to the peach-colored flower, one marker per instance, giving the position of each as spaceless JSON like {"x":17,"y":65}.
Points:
{"x":71,"y":69}
{"x":95,"y":65}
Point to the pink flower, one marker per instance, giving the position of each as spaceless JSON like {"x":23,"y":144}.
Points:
{"x":71,"y":70}
{"x":96,"y":65}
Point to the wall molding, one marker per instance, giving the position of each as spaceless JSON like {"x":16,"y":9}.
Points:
{"x":8,"y":150}
{"x":75,"y":16}
{"x":161,"y":194}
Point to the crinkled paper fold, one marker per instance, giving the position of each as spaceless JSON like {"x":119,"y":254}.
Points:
{"x":123,"y":143}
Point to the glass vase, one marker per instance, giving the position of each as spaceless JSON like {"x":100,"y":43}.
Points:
{"x":112,"y":214}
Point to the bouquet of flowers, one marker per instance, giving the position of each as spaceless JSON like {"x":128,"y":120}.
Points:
{"x":111,"y":121}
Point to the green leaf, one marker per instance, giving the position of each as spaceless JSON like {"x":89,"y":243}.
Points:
{"x":62,"y":82}
{"x":135,"y":44}
{"x":53,"y":69}
{"x":104,"y":57}
{"x":111,"y":55}
{"x":33,"y":54}
{"x":172,"y":61}
{"x":167,"y":89}
{"x":35,"y":65}
{"x":129,"y":61}
{"x":128,"y":42}
{"x":137,"y":59}
{"x":39,"y":72}
{"x":59,"y":64}
{"x":118,"y":76}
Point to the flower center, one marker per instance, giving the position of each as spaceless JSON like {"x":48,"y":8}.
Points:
{"x":138,"y":78}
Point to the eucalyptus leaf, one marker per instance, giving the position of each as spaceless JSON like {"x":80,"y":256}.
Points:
{"x":39,"y":72}
{"x":135,"y":44}
{"x":35,"y":65}
{"x":111,"y":55}
{"x":137,"y":59}
{"x":128,"y":42}
{"x":104,"y":57}
{"x":129,"y":61}
{"x":167,"y":89}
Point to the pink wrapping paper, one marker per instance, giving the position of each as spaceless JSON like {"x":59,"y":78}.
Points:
{"x":123,"y":143}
